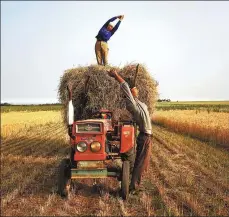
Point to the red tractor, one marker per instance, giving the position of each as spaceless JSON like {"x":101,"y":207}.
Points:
{"x":94,"y":142}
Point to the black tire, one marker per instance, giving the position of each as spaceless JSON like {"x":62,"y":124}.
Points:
{"x":64,"y":178}
{"x":125,"y":180}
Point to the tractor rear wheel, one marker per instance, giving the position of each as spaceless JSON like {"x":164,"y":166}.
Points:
{"x":64,"y":178}
{"x":125,"y":180}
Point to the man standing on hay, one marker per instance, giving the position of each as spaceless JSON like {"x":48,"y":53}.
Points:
{"x":141,"y":115}
{"x":101,"y":46}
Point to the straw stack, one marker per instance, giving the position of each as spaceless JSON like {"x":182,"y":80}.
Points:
{"x":104,"y":91}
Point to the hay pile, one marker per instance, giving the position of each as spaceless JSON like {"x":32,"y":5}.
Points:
{"x":104,"y":91}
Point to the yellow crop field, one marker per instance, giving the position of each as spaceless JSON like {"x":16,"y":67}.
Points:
{"x":186,"y":177}
{"x":15,"y":122}
{"x":207,"y":126}
{"x":30,"y":117}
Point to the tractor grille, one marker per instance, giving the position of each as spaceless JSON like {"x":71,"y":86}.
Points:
{"x":88,"y":127}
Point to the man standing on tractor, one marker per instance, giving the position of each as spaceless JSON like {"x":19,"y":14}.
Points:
{"x":140,"y":114}
{"x":101,"y":46}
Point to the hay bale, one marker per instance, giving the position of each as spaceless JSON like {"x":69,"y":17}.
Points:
{"x":104,"y":91}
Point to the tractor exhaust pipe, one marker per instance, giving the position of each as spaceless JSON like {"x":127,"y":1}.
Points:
{"x":70,"y":105}
{"x":70,"y":111}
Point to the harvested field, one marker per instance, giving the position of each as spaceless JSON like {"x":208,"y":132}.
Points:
{"x":186,"y":177}
{"x":103,"y":91}
{"x":14,"y":123}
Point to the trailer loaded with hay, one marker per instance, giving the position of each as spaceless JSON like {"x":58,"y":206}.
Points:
{"x":101,"y":130}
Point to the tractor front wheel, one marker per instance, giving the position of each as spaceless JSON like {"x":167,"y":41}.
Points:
{"x":125,"y":179}
{"x":64,"y":178}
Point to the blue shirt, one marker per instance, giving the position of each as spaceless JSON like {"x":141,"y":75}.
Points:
{"x":104,"y":34}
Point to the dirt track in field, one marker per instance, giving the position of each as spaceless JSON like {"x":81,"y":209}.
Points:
{"x":186,"y":177}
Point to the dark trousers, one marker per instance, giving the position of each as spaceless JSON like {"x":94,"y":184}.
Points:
{"x":142,"y":159}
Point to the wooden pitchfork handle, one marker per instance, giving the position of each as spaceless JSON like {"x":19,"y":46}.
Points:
{"x":69,"y":87}
{"x":86,"y":84}
{"x":135,"y":76}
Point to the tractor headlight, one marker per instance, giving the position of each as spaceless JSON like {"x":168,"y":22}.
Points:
{"x":95,"y":146}
{"x":81,"y":147}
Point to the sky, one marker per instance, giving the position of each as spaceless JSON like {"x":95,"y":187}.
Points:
{"x":184,"y":45}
